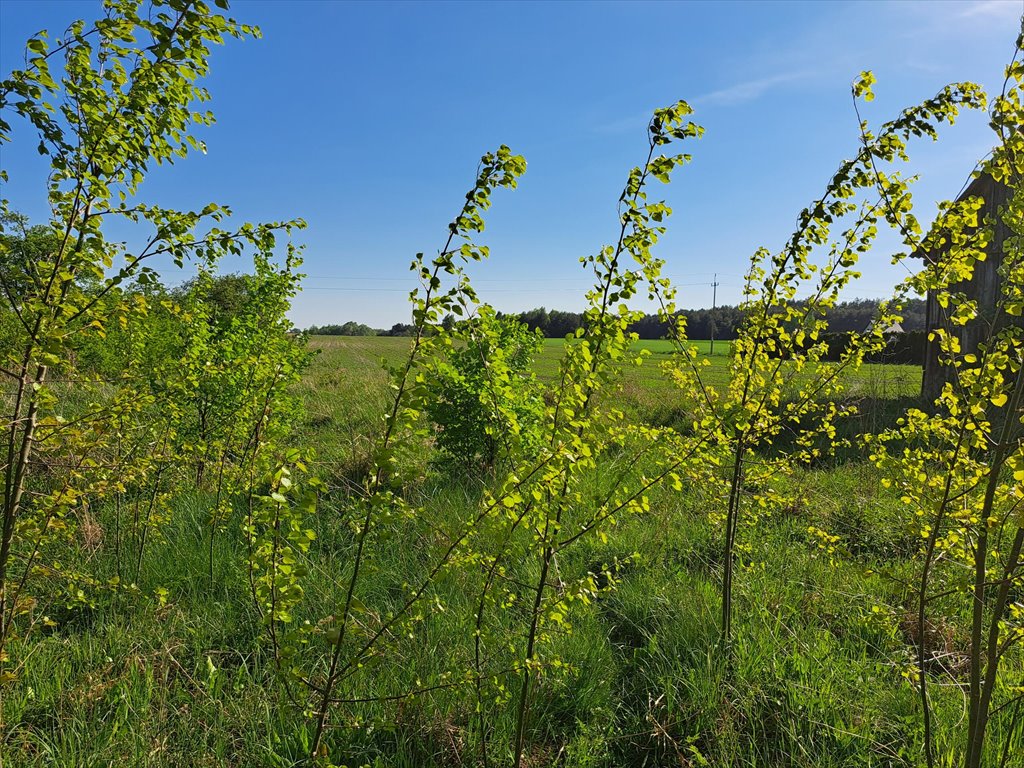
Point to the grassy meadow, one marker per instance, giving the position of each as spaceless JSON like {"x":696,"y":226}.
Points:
{"x":354,"y":362}
{"x":823,"y":637}
{"x":225,"y":544}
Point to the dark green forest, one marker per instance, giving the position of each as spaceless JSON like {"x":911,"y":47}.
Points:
{"x":719,"y":323}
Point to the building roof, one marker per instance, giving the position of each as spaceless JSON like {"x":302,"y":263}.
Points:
{"x":894,"y":328}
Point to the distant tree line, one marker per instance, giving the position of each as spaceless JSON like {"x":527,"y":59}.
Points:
{"x":345,"y":329}
{"x":719,"y":323}
{"x":722,"y":322}
{"x":352,"y":328}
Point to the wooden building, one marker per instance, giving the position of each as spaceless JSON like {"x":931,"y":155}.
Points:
{"x":983,"y":287}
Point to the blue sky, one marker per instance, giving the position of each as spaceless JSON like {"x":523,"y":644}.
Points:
{"x":367,"y":120}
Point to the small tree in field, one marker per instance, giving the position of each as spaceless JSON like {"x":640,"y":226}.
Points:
{"x":544,"y":500}
{"x":779,"y":408}
{"x":484,"y":394}
{"x":127,"y":98}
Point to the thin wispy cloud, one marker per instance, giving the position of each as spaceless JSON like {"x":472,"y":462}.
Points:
{"x":921,"y":64}
{"x":929,"y":29}
{"x":1008,"y":8}
{"x":633,"y":122}
{"x":733,"y":95}
{"x":749,"y":90}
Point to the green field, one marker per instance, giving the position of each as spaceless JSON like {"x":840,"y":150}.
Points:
{"x":355,"y":361}
{"x":228,"y":543}
{"x":816,"y":681}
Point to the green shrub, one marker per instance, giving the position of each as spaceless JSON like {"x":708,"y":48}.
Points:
{"x":484,"y":395}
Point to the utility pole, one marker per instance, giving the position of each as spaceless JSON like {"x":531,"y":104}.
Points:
{"x":714,"y":306}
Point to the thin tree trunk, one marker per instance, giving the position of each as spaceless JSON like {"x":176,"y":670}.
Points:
{"x":531,"y":642}
{"x":731,"y":520}
{"x":12,"y":505}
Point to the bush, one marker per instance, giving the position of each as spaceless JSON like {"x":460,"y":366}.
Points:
{"x":485,"y":398}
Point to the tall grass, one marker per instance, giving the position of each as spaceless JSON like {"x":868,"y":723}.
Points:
{"x":182,"y":677}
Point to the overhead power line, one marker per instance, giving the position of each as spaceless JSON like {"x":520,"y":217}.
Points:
{"x":489,"y":290}
{"x":686,"y":275}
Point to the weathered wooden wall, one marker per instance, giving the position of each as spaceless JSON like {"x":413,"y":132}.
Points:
{"x":983,"y":287}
